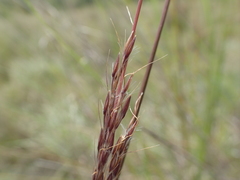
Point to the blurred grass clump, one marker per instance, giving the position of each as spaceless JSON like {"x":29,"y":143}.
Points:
{"x":55,"y":56}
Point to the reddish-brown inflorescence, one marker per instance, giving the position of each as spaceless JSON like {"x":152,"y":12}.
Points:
{"x":110,"y":156}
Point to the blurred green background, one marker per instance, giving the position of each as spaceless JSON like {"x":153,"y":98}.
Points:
{"x":55,"y":59}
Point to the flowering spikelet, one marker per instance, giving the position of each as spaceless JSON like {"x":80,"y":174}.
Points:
{"x":110,"y":156}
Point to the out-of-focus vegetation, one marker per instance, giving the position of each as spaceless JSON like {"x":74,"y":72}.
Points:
{"x":54,"y":59}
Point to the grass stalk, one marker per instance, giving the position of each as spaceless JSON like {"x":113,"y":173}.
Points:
{"x":110,"y":156}
{"x":153,"y":53}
